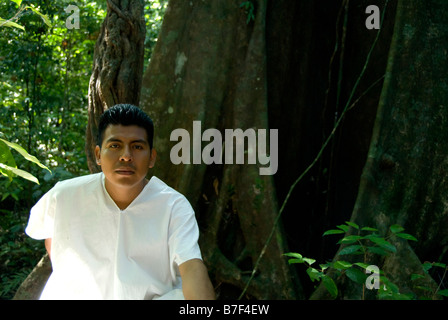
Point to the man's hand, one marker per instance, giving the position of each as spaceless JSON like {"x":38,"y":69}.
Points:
{"x":196,"y":284}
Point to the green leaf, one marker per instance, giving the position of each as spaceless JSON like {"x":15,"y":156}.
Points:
{"x":356,"y":275}
{"x":396,"y":228}
{"x":406,"y":236}
{"x":343,"y":227}
{"x":7,"y":23}
{"x":416,"y":276}
{"x":18,"y":2}
{"x":341,"y":265}
{"x":7,"y":158}
{"x":24,"y":153}
{"x":309,"y":261}
{"x":427,"y":289}
{"x":292,"y":261}
{"x":324,"y":266}
{"x":43,"y":16}
{"x":352,"y":224}
{"x":426,"y":266}
{"x":333,"y":231}
{"x":314,"y":274}
{"x":350,"y":249}
{"x":443,"y":292}
{"x":362,"y":265}
{"x":384,"y":244}
{"x":297,"y":257}
{"x":330,"y":285}
{"x":377,"y":250}
{"x":293,"y":255}
{"x":19,"y":172}
{"x":439,"y":264}
{"x":369,"y":229}
{"x":350,"y":239}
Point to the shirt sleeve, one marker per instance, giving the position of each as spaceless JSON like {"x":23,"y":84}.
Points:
{"x":183,"y":233}
{"x":41,"y":220}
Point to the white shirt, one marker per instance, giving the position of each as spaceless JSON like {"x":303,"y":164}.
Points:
{"x":101,"y":252}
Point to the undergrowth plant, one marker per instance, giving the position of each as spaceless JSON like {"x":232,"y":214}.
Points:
{"x":366,"y":241}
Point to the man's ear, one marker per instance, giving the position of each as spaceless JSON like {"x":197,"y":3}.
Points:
{"x":98,"y":155}
{"x":152,"y":159}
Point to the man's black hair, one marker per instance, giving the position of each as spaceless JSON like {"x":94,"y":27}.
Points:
{"x":126,"y":115}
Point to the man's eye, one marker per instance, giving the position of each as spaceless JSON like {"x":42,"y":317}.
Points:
{"x":114,"y":146}
{"x":138,"y":147}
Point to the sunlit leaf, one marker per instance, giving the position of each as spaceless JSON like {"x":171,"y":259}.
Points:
{"x":352,"y":224}
{"x":343,"y":227}
{"x":333,"y":231}
{"x":7,"y":23}
{"x":350,"y":239}
{"x":18,"y":2}
{"x":362,"y":265}
{"x":24,"y":153}
{"x":314,"y":274}
{"x":309,"y":260}
{"x":293,"y":255}
{"x":43,"y":16}
{"x":19,"y":172}
{"x":341,"y":265}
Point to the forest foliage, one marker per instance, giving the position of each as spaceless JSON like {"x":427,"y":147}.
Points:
{"x":45,"y":69}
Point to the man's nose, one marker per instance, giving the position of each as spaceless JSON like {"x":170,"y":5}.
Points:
{"x":126,"y":155}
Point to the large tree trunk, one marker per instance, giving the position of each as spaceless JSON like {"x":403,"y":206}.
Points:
{"x":210,"y":65}
{"x":117,"y":65}
{"x":404,"y":180}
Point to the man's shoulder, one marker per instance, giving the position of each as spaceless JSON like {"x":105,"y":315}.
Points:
{"x":160,"y":187}
{"x":162,"y":191}
{"x":78,"y":183}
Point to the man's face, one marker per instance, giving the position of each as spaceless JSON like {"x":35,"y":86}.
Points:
{"x":125,"y":156}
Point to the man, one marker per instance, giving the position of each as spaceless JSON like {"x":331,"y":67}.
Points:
{"x":116,"y":235}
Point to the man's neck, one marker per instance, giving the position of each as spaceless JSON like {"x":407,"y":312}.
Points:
{"x":123,"y":196}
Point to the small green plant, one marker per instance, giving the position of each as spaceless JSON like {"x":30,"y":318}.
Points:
{"x":365,"y":241}
{"x":427,"y":266}
{"x":250,"y":9}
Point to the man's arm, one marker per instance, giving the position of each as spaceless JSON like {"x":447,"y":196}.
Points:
{"x":196,"y":284}
{"x":48,"y":246}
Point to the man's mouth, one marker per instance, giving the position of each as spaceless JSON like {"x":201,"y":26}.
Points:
{"x":125,"y":171}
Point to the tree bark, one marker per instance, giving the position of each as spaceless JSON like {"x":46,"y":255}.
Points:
{"x":404,"y":179}
{"x":210,"y":65}
{"x":117,"y":65}
{"x":33,"y":285}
